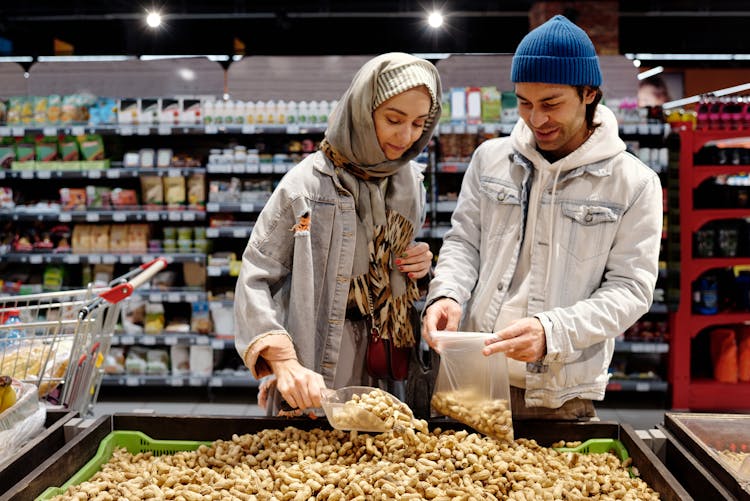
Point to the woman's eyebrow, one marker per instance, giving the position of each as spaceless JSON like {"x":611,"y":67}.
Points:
{"x":404,"y":114}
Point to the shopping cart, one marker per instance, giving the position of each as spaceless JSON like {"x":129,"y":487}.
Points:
{"x":62,"y":337}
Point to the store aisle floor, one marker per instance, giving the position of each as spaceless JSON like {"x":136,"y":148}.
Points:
{"x":641,"y":411}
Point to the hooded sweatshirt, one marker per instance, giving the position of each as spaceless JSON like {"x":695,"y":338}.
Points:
{"x":603,"y":143}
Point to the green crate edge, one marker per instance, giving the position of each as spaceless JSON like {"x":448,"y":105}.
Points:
{"x":598,"y":446}
{"x":134,"y":442}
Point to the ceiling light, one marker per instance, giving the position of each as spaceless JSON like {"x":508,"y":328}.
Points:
{"x":82,"y":59}
{"x":649,"y":73}
{"x":637,"y":63}
{"x":16,"y":59}
{"x":435,"y":19}
{"x":153,"y":19}
{"x":186,"y":74}
{"x":716,"y":93}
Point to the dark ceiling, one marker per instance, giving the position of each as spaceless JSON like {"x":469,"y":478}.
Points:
{"x":351,"y":27}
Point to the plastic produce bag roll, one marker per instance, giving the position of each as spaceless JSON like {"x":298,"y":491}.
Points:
{"x":473,"y":388}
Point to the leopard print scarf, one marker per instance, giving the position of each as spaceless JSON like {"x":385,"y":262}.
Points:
{"x":383,"y":233}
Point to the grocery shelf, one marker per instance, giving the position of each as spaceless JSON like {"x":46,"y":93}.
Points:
{"x":706,"y":394}
{"x":648,"y":385}
{"x":101,"y":216}
{"x":641,"y":129}
{"x":116,"y":171}
{"x":243,"y":380}
{"x":703,"y":172}
{"x":256,"y":168}
{"x":230,"y":231}
{"x":452,"y":167}
{"x":169,"y":339}
{"x":103,"y":258}
{"x":703,"y":216}
{"x":172,"y":295}
{"x":641,"y":347}
{"x":245,"y":207}
{"x":159,"y":129}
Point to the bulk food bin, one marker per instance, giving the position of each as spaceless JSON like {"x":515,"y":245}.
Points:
{"x":30,"y":456}
{"x":719,"y":442}
{"x":58,"y":468}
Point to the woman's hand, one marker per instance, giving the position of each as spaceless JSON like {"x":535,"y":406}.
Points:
{"x":442,"y":315}
{"x":416,"y":260}
{"x":299,"y":386}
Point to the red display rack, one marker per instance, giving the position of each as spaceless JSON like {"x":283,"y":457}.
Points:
{"x":689,"y":392}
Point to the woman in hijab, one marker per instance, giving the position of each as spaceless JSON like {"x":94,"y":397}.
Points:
{"x":332,"y":258}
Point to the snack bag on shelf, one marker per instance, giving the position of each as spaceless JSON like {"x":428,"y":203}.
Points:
{"x":724,"y":355}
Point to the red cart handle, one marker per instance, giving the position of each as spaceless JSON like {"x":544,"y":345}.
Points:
{"x":122,"y":291}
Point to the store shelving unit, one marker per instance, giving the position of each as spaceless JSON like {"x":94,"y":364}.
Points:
{"x":689,"y":391}
{"x":232,"y":238}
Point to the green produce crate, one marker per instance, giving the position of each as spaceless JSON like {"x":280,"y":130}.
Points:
{"x":134,"y":442}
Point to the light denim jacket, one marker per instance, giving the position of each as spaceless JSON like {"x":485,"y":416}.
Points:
{"x":604,"y":263}
{"x":296,"y":283}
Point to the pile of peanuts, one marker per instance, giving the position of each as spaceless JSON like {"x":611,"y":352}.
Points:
{"x":735,"y":459}
{"x":296,"y":465}
{"x":391,"y":413}
{"x":491,"y":417}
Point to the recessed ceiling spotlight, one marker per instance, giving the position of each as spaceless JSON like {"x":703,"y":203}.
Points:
{"x":435,"y":19}
{"x":637,"y":63}
{"x":153,"y":19}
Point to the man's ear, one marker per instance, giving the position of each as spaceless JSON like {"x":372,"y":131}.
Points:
{"x":589,"y":93}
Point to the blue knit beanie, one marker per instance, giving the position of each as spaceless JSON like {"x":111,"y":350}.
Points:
{"x":557,"y":52}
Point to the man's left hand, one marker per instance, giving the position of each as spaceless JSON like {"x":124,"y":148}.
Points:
{"x":523,"y":340}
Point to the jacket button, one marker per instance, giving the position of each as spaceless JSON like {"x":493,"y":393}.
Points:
{"x":589,"y":218}
{"x":500,"y":286}
{"x":501,"y":196}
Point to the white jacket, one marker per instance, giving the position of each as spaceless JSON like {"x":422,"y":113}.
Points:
{"x":594,"y":258}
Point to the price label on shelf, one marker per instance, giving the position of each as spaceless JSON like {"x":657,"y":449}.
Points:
{"x":109,"y":259}
{"x":119,"y":217}
{"x":132,"y":381}
{"x":247,"y":207}
{"x":164,"y":130}
{"x":629,"y":129}
{"x":248,"y":129}
{"x":154,"y":297}
{"x":202,"y":340}
{"x":127,"y":340}
{"x":92,"y":217}
{"x":126,"y":130}
{"x":71,"y":258}
{"x":239,"y":233}
{"x":171,"y":340}
{"x":144,"y":130}
{"x":94,"y":259}
{"x":152,"y":216}
{"x":174,"y":216}
{"x":27,"y":174}
{"x":173,"y":297}
{"x":216,"y":381}
{"x":35,"y":259}
{"x":127,"y":259}
{"x":43,"y":174}
{"x":292,"y":129}
{"x":177,"y":381}
{"x":213,"y":271}
{"x":459,"y":129}
{"x":113,"y":174}
{"x":212,"y":207}
{"x":211,"y":129}
{"x":212,"y":232}
{"x":643,"y":129}
{"x":4,"y":131}
{"x":17,"y":131}
{"x":217,"y":344}
{"x":65,"y":217}
{"x":191,"y":298}
{"x":77,"y":131}
{"x":642,"y":387}
{"x":174,"y":173}
{"x":472,"y":129}
{"x":49,"y":131}
{"x":188,"y":216}
{"x":148,"y":340}
{"x":196,"y":381}
{"x":94,"y":174}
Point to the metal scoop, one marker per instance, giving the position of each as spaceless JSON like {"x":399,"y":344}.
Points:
{"x":344,"y":414}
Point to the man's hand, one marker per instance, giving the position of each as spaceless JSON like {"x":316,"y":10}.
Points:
{"x":416,"y":260}
{"x":442,"y":315}
{"x":523,"y":340}
{"x":299,"y":386}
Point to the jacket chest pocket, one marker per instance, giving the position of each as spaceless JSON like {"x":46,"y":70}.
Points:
{"x":588,"y":229}
{"x":504,"y":204}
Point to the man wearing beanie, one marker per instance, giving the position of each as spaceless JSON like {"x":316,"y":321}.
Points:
{"x":555,"y":240}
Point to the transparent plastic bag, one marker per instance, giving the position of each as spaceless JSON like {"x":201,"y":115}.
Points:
{"x":471,"y":387}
